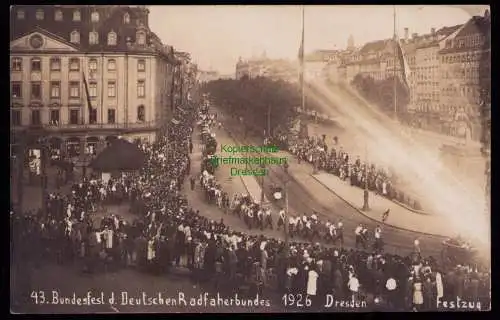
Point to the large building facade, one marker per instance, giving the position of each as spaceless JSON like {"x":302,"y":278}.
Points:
{"x":465,"y":76}
{"x":81,"y":75}
{"x":449,"y":78}
{"x":277,"y":69}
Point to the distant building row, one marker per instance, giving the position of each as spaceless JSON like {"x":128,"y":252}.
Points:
{"x":449,"y":78}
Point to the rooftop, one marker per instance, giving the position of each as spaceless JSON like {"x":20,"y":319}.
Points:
{"x":375,"y":46}
{"x":111,"y":19}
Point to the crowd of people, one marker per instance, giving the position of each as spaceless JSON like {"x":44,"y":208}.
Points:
{"x":337,"y":161}
{"x":166,"y":232}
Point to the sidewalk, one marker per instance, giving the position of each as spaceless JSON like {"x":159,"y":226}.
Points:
{"x":398,"y":217}
{"x":355,"y":146}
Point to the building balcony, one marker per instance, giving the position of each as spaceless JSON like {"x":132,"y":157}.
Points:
{"x":83,"y":127}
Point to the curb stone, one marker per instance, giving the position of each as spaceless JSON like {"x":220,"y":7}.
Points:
{"x":373,"y":219}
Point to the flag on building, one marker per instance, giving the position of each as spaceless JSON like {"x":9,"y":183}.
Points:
{"x":89,"y":102}
{"x":405,"y":67}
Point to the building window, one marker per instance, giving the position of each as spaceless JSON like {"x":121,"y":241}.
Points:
{"x":92,"y":65}
{"x":93,"y":38}
{"x":94,"y":17}
{"x":141,"y":89}
{"x":17,"y":90}
{"x":54,"y":117}
{"x":111,"y":116}
{"x":55,"y":89}
{"x":36,"y":90}
{"x":141,"y":113}
{"x":20,"y":14}
{"x":75,"y":37}
{"x":126,"y":18}
{"x":93,"y":116}
{"x":36,"y":64}
{"x":58,"y":15}
{"x":141,"y":38}
{"x":77,"y":16}
{"x":93,"y":89}
{"x":74,"y":114}
{"x":16,"y":118}
{"x":111,"y":65}
{"x":35,"y":117}
{"x":55,"y":64}
{"x":74,"y":64}
{"x":111,"y":89}
{"x":112,"y":38}
{"x":39,"y":14}
{"x":74,"y":89}
{"x":141,"y":65}
{"x":17,"y":64}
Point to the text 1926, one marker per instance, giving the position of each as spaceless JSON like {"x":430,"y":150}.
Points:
{"x":296,"y":300}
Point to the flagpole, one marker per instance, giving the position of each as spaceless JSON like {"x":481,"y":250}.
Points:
{"x":395,"y":60}
{"x":303,"y":101}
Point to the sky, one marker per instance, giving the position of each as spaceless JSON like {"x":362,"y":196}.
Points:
{"x":216,"y":36}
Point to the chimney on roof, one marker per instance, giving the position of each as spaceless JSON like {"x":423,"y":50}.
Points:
{"x":433,"y":31}
{"x":407,"y":34}
{"x":414,"y":35}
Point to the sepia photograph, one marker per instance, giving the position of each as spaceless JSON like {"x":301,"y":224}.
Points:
{"x":250,"y":158}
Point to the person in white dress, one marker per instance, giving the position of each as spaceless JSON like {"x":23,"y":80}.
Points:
{"x":353,"y":285}
{"x":418,"y":297}
{"x":312,"y":284}
{"x":439,"y":287}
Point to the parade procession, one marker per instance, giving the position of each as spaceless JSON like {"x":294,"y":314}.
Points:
{"x":200,"y":193}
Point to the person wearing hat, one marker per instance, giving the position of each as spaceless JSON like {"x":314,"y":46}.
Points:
{"x":391,"y":287}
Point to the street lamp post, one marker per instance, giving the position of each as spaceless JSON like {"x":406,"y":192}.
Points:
{"x":366,"y":194}
{"x":286,"y":219}
{"x":269,"y":120}
{"x":263,"y":166}
{"x":315,"y":161}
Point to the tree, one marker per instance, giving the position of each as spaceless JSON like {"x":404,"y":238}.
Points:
{"x":253,"y":98}
{"x":381,"y":93}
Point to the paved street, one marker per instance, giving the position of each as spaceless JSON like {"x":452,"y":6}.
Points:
{"x":404,"y":219}
{"x":306,"y":195}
